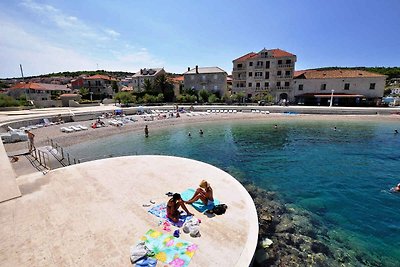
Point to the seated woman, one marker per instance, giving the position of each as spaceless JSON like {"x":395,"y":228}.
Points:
{"x":172,"y":207}
{"x":204,"y":193}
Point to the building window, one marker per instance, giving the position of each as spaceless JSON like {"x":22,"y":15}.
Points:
{"x":239,"y":65}
{"x":258,"y":85}
{"x":287,"y":73}
{"x":250,"y":74}
{"x":215,"y":87}
{"x":258,"y":74}
{"x":250,"y":84}
{"x":215,"y":76}
{"x":267,"y":75}
{"x":260,"y":63}
{"x":346,"y":86}
{"x":300,"y":87}
{"x":279,"y":62}
{"x":278,"y":84}
{"x":267,"y":64}
{"x":279,"y":73}
{"x":372,"y":86}
{"x":288,"y":61}
{"x":266,"y":84}
{"x":203,"y":77}
{"x":287,"y":84}
{"x":250,"y":64}
{"x":323,"y":86}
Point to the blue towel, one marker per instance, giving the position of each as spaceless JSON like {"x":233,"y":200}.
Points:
{"x":198,"y":205}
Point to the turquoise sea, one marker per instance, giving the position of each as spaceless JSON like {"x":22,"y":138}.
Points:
{"x":343,"y":176}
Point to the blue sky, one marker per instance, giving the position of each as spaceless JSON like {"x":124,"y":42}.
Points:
{"x":53,"y":35}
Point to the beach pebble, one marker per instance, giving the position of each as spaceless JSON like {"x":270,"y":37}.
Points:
{"x":266,"y":243}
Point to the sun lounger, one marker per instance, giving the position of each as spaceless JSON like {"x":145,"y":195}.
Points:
{"x":75,"y":128}
{"x":225,"y":111}
{"x":234,"y":111}
{"x":66,"y":130}
{"x":82,"y":127}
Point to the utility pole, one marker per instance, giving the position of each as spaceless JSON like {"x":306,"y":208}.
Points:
{"x":22,"y":72}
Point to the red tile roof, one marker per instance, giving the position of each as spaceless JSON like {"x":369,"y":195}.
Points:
{"x":246,"y":57}
{"x":276,"y":53}
{"x":332,"y":74}
{"x":40,"y":86}
{"x":280,"y":53}
{"x":177,"y":79}
{"x":100,"y":77}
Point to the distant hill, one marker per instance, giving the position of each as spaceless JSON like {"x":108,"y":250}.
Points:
{"x":391,"y":72}
{"x":84,"y":72}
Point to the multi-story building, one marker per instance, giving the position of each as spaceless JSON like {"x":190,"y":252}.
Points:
{"x":100,"y":86}
{"x":212,"y":79}
{"x":145,"y":74}
{"x":268,"y":71}
{"x":39,"y":94}
{"x":346,"y":87}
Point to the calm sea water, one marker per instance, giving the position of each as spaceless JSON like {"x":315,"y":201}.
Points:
{"x":342,"y":176}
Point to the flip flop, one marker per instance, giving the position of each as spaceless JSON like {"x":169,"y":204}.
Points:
{"x":152,"y":202}
{"x":170,"y":194}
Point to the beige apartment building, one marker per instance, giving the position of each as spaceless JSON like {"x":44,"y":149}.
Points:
{"x":145,"y":74}
{"x":268,"y":71}
{"x":346,"y":87}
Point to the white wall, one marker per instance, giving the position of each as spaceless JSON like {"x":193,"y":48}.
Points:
{"x":357,"y":86}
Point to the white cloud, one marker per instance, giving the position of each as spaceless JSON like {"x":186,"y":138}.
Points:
{"x":40,"y":52}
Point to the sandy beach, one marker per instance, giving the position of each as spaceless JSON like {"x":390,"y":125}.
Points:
{"x":42,"y":135}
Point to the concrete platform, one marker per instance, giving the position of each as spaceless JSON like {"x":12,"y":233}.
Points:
{"x":90,"y":214}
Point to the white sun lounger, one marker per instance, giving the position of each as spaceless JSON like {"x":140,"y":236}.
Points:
{"x":66,"y":130}
{"x":82,"y":127}
{"x":75,"y":128}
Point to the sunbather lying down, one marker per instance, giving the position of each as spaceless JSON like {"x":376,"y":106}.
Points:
{"x":204,"y":193}
{"x":173,"y":205}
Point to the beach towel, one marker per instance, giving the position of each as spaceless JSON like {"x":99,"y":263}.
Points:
{"x":160,"y":211}
{"x":169,"y":249}
{"x":198,"y":205}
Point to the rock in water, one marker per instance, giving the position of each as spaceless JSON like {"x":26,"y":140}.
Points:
{"x":266,"y":243}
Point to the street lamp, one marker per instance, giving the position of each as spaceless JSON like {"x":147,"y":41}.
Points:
{"x":330,"y":104}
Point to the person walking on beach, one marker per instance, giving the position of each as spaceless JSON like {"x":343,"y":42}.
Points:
{"x":31,"y":140}
{"x":146,"y":131}
{"x":173,"y":205}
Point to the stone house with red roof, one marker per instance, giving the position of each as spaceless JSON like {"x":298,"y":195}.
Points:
{"x":100,"y":86}
{"x":268,"y":71}
{"x":41,"y":94}
{"x":346,"y":87}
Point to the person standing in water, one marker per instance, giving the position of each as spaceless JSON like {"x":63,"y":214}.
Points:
{"x":146,"y":131}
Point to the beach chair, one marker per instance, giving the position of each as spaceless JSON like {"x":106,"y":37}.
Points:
{"x":66,"y":130}
{"x":234,"y":111}
{"x":225,"y":111}
{"x":82,"y":127}
{"x":75,"y":128}
{"x":230,"y":111}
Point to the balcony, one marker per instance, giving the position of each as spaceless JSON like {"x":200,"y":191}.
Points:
{"x":284,"y":76}
{"x":283,"y":88}
{"x":259,"y":66}
{"x":286,"y":65}
{"x":239,"y":78}
{"x":239,"y":68}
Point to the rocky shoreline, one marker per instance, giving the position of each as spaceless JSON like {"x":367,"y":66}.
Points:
{"x":291,"y":237}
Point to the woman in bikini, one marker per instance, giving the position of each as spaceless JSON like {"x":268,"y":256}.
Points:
{"x":173,"y":205}
{"x":204,"y":193}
